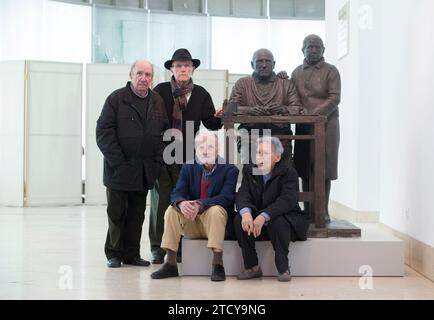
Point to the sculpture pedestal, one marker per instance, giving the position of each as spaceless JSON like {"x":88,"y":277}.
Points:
{"x":375,"y":251}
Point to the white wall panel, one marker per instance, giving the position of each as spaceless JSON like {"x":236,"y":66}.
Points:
{"x":101,"y":80}
{"x":54,"y":167}
{"x":54,"y":146}
{"x":11,"y":132}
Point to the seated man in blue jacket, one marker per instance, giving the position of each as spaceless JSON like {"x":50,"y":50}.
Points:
{"x":267,"y":202}
{"x":200,"y":203}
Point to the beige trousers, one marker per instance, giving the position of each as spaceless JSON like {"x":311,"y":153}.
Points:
{"x":211,"y":225}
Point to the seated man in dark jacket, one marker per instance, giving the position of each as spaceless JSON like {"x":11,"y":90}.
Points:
{"x":201,"y":201}
{"x":267,"y":202}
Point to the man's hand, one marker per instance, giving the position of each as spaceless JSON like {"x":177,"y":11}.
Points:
{"x":278,"y":110}
{"x":219,"y":113}
{"x":295,"y":110}
{"x":282,"y":75}
{"x":189,"y":209}
{"x":247,"y":223}
{"x":258,"y":111}
{"x":257,"y":225}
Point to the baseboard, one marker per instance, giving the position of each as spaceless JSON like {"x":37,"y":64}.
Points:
{"x":341,"y":212}
{"x":417,"y":255}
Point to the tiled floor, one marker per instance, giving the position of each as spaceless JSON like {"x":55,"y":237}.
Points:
{"x":57,"y":253}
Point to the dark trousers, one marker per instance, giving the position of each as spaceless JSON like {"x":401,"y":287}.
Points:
{"x":279,"y":232}
{"x":126,"y":213}
{"x":160,"y":201}
{"x":307,"y":207}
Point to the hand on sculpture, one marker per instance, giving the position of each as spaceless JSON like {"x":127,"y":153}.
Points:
{"x":258,"y":111}
{"x":304,"y":112}
{"x":282,"y":75}
{"x":278,"y":110}
{"x":219,"y":113}
{"x":295,"y":110}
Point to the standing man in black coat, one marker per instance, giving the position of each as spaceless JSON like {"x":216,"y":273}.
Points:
{"x":129,"y":133}
{"x":267,"y":205}
{"x":187,"y":105}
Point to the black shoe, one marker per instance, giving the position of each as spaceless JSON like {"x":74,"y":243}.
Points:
{"x":114,"y":263}
{"x":218,"y":273}
{"x":157,"y":258}
{"x":137,"y":261}
{"x":166,"y":271}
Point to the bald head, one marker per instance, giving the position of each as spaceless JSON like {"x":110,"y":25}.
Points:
{"x":262,"y":52}
{"x":312,"y":38}
{"x":313,"y":49}
{"x":263,"y":64}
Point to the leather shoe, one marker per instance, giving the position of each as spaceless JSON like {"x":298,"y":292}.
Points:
{"x":158,"y":258}
{"x":218,"y":273}
{"x":137,"y":261}
{"x":250,"y":274}
{"x":114,"y":263}
{"x":166,"y":271}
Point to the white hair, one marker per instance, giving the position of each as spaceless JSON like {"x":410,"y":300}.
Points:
{"x":202,"y":134}
{"x":273,"y":141}
{"x":140,"y":60}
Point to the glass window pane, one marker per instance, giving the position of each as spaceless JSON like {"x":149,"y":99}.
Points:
{"x":169,"y":32}
{"x":219,"y":7}
{"x":160,"y":5}
{"x":108,"y":2}
{"x":310,"y":8}
{"x":281,"y":8}
{"x":251,"y":8}
{"x":127,"y":3}
{"x":119,"y":35}
{"x":187,"y":5}
{"x":122,"y":36}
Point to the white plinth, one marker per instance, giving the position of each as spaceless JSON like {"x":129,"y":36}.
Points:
{"x":380,"y":251}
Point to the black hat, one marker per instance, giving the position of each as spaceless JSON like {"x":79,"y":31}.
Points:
{"x":181,"y":55}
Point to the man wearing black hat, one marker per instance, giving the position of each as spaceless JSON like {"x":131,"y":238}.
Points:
{"x":187,"y":104}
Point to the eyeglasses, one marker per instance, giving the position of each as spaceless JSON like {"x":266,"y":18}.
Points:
{"x":180,"y":65}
